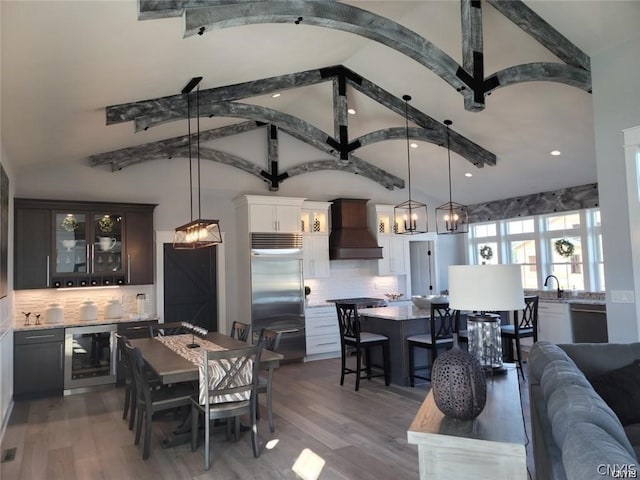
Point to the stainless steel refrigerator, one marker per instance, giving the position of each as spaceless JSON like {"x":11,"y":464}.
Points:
{"x":277,"y":290}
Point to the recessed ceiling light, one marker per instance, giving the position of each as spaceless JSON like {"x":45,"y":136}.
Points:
{"x":351,"y":111}
{"x":555,"y":153}
{"x":413,"y":145}
{"x":468,"y":174}
{"x":275,"y":95}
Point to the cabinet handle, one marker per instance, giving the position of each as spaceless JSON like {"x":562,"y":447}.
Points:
{"x":39,"y":336}
{"x":48,"y":271}
{"x":89,"y":259}
{"x":61,"y":356}
{"x":326,"y":343}
{"x":587,"y":310}
{"x":128,"y":268}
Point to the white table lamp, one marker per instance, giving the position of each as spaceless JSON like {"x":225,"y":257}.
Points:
{"x":481,"y":289}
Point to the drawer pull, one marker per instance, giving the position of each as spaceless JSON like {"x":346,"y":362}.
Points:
{"x":587,"y":310}
{"x":327,"y":343}
{"x":40,"y":336}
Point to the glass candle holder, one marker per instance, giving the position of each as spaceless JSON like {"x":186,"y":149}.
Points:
{"x":485,"y":341}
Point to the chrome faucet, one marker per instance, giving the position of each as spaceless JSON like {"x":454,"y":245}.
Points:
{"x":557,"y":283}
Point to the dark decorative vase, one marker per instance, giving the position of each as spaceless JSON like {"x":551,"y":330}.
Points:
{"x":459,"y":385}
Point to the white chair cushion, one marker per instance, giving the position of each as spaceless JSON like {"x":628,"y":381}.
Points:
{"x":371,"y":337}
{"x":426,"y":339}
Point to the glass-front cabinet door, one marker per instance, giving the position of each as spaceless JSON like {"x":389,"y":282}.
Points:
{"x":70,"y":246}
{"x":106,"y":255}
{"x":88,"y":249}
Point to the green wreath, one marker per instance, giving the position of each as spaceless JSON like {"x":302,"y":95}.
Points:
{"x":486,"y":252}
{"x":564,"y":247}
{"x":69,"y":223}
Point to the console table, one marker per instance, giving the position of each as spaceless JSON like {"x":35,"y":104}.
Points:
{"x":490,"y":446}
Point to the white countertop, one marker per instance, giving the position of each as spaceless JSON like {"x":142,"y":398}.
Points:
{"x":19,"y":325}
{"x":398,"y":313}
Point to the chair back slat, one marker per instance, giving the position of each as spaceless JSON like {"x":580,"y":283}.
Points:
{"x":240,"y":331}
{"x":270,"y":339}
{"x":528,"y":316}
{"x":228,"y":375}
{"x":136,"y":363}
{"x":444,"y":321}
{"x":164,"y":329}
{"x":348,"y":320}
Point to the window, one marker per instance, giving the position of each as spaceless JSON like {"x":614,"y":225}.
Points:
{"x":533,"y":243}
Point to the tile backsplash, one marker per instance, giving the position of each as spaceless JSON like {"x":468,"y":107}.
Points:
{"x":352,"y":278}
{"x":35,"y":301}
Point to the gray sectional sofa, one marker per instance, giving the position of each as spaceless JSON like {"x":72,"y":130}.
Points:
{"x":575,"y":433}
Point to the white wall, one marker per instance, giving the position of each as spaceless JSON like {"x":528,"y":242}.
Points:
{"x":616,"y":100}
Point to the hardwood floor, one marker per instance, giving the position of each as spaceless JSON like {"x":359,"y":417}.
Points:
{"x":359,"y":435}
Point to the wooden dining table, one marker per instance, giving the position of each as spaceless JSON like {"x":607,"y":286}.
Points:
{"x":172,"y":368}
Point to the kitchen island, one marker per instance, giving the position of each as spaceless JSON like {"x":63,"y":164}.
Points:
{"x":397,"y":323}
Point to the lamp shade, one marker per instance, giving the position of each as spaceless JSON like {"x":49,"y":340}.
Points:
{"x":485,"y":287}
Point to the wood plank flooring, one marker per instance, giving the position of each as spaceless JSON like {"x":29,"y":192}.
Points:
{"x":359,"y":435}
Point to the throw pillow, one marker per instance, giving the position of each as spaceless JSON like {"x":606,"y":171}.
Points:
{"x":620,"y":389}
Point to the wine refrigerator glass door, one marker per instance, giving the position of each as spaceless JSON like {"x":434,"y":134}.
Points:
{"x":89,"y":356}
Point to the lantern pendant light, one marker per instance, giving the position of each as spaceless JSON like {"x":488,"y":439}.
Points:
{"x":198,"y":233}
{"x":410,"y":216}
{"x":451,"y":217}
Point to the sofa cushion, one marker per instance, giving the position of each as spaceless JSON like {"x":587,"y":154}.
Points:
{"x":589,"y":450}
{"x":560,"y":373}
{"x":572,"y":404}
{"x":633,"y":434}
{"x":620,"y":388}
{"x":541,"y":354}
{"x":596,"y":358}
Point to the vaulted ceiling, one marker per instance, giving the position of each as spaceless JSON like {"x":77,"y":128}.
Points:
{"x":64,"y":63}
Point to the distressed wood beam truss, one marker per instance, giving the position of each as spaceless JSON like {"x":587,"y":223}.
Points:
{"x":468,"y":79}
{"x":148,"y":113}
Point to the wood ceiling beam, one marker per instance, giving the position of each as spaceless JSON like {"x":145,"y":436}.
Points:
{"x":174,"y":107}
{"x":329,"y":14}
{"x":543,"y":71}
{"x":543,"y":32}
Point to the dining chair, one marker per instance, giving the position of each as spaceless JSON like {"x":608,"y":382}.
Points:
{"x":351,"y":336}
{"x":151,"y":400}
{"x":163,"y":329}
{"x":228,"y":385}
{"x":525,"y":324}
{"x":443,"y":323}
{"x":130,"y":394}
{"x":269,"y":340}
{"x":240,"y":331}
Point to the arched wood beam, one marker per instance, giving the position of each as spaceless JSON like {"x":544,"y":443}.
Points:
{"x":119,"y":159}
{"x":548,"y":72}
{"x":529,"y":21}
{"x":335,"y":15}
{"x":473,"y":152}
{"x":174,"y":107}
{"x":355,"y":165}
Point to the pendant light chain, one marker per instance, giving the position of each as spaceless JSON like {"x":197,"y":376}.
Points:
{"x":198,"y":145}
{"x":406,"y":119}
{"x":447,"y":123}
{"x":190,"y":155}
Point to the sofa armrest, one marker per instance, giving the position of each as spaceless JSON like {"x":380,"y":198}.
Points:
{"x":546,"y":453}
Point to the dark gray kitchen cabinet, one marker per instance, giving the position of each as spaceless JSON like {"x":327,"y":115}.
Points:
{"x":77,"y":244}
{"x":32,"y":248}
{"x":38,"y":363}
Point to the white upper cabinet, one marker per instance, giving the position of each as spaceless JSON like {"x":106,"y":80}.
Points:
{"x":274,"y":214}
{"x":395,"y":248}
{"x":315,"y":242}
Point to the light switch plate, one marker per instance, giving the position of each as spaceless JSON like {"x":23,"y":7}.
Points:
{"x":622,"y":296}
